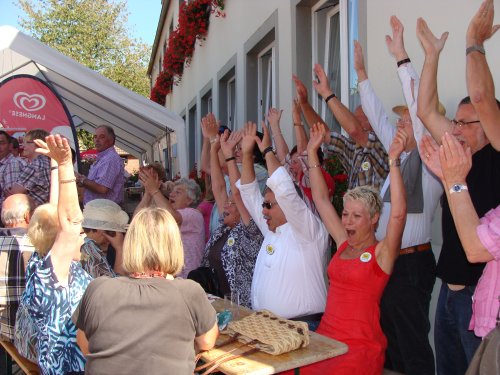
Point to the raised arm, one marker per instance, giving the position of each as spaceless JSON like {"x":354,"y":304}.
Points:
{"x":152,"y":183}
{"x":247,"y":145}
{"x":428,"y":100}
{"x":273,"y":118}
{"x":388,"y":249}
{"x":311,"y":116}
{"x":228,"y":144}
{"x":344,"y":116}
{"x":480,"y":84}
{"x":209,"y":129}
{"x":218,"y":183}
{"x":298,"y":127}
{"x":319,"y":189}
{"x":451,"y":163}
{"x":407,"y":74}
{"x":372,"y":106}
{"x":68,"y":240}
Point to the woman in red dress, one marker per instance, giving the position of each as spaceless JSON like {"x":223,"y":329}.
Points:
{"x":361,"y":267}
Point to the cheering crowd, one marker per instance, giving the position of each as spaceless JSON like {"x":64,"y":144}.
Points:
{"x":88,"y":292}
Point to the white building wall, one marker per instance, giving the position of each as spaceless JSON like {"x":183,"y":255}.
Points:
{"x":227,"y":37}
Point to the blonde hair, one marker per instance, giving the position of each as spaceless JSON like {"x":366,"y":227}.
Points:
{"x":153,"y":243}
{"x":368,"y":195}
{"x":43,"y":228}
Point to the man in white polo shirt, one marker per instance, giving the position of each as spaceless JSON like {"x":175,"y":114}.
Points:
{"x":289,"y":273}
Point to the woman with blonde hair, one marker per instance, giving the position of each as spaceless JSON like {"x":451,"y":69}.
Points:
{"x":55,"y":282}
{"x":169,"y":316}
{"x":360,"y":269}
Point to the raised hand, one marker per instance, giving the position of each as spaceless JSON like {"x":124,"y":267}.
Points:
{"x":55,"y":147}
{"x":149,"y":180}
{"x":249,"y":136}
{"x":481,"y":25}
{"x":266,"y":139}
{"x":209,"y":126}
{"x":316,"y":137}
{"x":273,"y":118}
{"x":321,"y":84}
{"x":398,"y":144}
{"x":430,"y":43}
{"x":359,"y":62}
{"x":396,"y":44}
{"x":300,"y":90}
{"x":429,"y":153}
{"x":455,"y":161}
{"x":296,"y":111}
{"x":228,"y":142}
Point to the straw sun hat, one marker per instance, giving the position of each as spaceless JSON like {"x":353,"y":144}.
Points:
{"x":105,"y":215}
{"x":400,"y":109}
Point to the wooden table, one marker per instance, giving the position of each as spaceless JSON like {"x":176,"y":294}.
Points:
{"x":260,"y":363}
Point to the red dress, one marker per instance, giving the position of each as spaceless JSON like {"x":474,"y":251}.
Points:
{"x":352,"y":315}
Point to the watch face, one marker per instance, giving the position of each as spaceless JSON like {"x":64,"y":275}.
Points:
{"x":457,"y":188}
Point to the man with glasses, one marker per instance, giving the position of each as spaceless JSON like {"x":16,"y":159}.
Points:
{"x":10,"y":166}
{"x":404,"y":307}
{"x":455,"y":344}
{"x":34,"y":180}
{"x":289,"y":277}
{"x":106,"y":178}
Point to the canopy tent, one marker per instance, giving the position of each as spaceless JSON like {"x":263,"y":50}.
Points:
{"x":92,"y":99}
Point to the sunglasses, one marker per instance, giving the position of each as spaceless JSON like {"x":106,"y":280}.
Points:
{"x":268,"y":205}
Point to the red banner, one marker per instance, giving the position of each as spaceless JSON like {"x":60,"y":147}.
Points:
{"x":27,"y":102}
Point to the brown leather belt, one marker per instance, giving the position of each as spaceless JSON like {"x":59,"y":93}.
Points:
{"x":415,"y":249}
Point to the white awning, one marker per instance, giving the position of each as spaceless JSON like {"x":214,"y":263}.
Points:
{"x":91,"y":98}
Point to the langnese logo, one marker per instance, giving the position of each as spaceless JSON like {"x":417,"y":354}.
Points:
{"x":30,"y":103}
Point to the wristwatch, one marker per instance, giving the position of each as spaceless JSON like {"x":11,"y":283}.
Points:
{"x":458,"y":188}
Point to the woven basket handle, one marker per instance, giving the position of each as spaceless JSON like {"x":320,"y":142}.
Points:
{"x":230,"y":358}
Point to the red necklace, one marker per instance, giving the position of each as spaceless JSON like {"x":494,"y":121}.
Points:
{"x":147,"y":275}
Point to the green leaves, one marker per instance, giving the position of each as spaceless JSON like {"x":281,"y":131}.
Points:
{"x":92,"y":32}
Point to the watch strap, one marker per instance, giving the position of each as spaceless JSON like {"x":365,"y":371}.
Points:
{"x":475,"y":47}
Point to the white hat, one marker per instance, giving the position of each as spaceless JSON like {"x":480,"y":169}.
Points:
{"x":105,"y":215}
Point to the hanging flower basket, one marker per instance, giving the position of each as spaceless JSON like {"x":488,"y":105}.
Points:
{"x":194,"y":19}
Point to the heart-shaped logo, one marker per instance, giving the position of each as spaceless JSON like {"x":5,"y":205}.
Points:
{"x":28,"y":102}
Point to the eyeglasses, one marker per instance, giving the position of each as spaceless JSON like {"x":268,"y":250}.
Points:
{"x":268,"y":205}
{"x":461,"y":124}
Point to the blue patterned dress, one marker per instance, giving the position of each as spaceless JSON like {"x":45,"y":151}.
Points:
{"x":44,"y":317}
{"x":238,"y":255}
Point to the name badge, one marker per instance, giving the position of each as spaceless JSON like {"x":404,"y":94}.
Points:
{"x":230,"y":241}
{"x":365,"y":257}
{"x":365,"y":165}
{"x":270,"y":249}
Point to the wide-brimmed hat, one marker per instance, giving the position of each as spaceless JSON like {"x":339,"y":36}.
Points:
{"x":105,"y":215}
{"x":399,"y":109}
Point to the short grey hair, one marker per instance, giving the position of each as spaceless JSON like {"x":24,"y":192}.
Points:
{"x":368,"y":195}
{"x":192,"y":189}
{"x":16,"y":214}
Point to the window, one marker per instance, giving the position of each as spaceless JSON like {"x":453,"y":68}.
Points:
{"x":334,"y":28}
{"x":266,"y":75}
{"x":206,"y":103}
{"x":231,"y":102}
{"x":227,"y":94}
{"x":192,"y":136}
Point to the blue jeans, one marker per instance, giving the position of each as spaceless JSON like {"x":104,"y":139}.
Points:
{"x":455,"y":343}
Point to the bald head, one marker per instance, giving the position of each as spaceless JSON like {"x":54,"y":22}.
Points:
{"x":17,"y":210}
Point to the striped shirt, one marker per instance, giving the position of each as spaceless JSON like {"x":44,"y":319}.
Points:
{"x":364,"y":165}
{"x":15,"y":250}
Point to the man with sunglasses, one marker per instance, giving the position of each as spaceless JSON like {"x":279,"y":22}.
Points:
{"x":289,"y":277}
{"x":455,"y":344}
